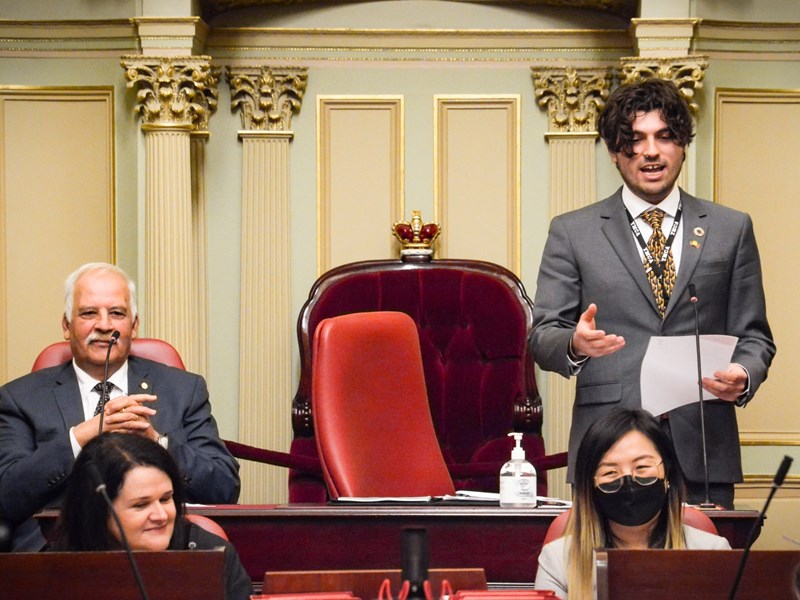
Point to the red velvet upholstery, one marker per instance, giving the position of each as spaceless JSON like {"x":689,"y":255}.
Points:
{"x":373,"y":426}
{"x":473,"y":320}
{"x":152,"y":348}
{"x":691,"y":516}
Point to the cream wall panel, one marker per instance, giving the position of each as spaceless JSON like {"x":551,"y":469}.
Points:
{"x":360,"y":158}
{"x":57,"y":199}
{"x":477,"y":178}
{"x":781,"y":530}
{"x":756,"y":134}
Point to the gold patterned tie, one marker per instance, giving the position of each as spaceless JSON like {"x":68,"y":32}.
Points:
{"x":656,"y":244}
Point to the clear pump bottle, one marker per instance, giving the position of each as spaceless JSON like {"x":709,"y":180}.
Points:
{"x":518,"y":478}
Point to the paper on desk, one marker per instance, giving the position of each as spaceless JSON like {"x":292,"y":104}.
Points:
{"x":669,"y":369}
{"x":373,"y":499}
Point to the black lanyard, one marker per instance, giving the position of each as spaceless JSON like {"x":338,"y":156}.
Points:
{"x":657,"y":267}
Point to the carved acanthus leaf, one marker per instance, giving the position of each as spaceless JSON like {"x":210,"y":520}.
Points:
{"x":573,"y":97}
{"x":267,"y":97}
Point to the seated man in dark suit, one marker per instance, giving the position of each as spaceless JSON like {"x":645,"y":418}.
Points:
{"x":46,"y":417}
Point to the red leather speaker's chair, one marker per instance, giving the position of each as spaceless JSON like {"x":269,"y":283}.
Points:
{"x":373,"y":426}
{"x":473,"y":320}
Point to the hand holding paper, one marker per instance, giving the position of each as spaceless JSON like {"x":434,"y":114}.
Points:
{"x":669,"y":369}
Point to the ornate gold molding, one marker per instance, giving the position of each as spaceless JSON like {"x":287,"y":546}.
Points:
{"x":573,"y":97}
{"x":267,"y":97}
{"x":686,"y":72}
{"x":176,"y":92}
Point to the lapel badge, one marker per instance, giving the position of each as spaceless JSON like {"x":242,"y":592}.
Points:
{"x":699,"y":231}
{"x":144,"y":385}
{"x":695,"y":243}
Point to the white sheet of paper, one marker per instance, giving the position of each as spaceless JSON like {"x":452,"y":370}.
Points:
{"x":669,"y":369}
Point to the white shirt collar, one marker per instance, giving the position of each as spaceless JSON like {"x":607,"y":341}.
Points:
{"x":636,"y":206}
{"x":86,"y":382}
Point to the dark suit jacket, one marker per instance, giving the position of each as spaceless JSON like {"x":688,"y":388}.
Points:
{"x":591,"y":256}
{"x":37,"y":411}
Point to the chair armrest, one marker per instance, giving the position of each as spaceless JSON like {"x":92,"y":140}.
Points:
{"x":489,"y":469}
{"x":309,"y":464}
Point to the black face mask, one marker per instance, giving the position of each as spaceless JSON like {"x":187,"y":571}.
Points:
{"x":633,"y":504}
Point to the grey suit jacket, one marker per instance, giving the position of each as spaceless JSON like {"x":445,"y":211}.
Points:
{"x":37,"y":411}
{"x":591,"y":256}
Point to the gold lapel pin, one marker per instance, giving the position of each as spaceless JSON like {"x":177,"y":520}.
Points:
{"x":694,"y":244}
{"x":699,"y":231}
{"x":144,"y":385}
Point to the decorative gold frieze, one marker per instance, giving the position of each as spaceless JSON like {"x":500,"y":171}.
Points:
{"x":267,"y":97}
{"x":686,"y":72}
{"x":173,"y":92}
{"x":573,"y":97}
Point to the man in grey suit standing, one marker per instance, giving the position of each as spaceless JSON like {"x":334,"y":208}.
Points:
{"x":617,"y":272}
{"x":46,"y":417}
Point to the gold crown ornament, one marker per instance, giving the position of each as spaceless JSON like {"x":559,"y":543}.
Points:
{"x":416,"y":237}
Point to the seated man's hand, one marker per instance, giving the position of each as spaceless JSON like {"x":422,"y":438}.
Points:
{"x":128,"y":414}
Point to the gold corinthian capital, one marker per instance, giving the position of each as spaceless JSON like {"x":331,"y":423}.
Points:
{"x":573,"y":97}
{"x":686,"y":72}
{"x":267,"y":97}
{"x":173,"y":91}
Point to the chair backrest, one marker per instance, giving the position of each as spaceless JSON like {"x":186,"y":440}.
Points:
{"x":691,"y":517}
{"x":375,"y":435}
{"x":152,"y":348}
{"x":208,"y":524}
{"x":472,"y":320}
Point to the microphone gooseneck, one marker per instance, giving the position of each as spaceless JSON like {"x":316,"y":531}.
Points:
{"x":101,"y":489}
{"x":103,"y":394}
{"x":783,"y":469}
{"x":693,"y":299}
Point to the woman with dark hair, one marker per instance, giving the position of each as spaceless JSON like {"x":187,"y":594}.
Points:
{"x":145,"y":488}
{"x":628,"y":493}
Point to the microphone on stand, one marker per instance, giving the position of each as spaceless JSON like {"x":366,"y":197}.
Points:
{"x":101,"y":489}
{"x":414,"y":572}
{"x":103,"y":394}
{"x":776,"y":483}
{"x":693,"y":299}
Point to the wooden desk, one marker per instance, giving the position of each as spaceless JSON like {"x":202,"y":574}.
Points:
{"x":196,"y":574}
{"x":505,"y":542}
{"x":705,"y":574}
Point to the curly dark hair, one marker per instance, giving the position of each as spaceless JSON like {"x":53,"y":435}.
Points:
{"x":626,"y":102}
{"x":83,"y":523}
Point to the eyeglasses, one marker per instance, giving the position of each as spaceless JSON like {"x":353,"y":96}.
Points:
{"x":610,"y":481}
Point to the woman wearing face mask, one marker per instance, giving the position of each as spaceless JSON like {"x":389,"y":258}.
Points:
{"x":628,"y":494}
{"x":145,"y":488}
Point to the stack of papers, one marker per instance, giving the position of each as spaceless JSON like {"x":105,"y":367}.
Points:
{"x":459,"y":496}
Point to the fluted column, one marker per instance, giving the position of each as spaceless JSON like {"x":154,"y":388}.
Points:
{"x":174,"y":95}
{"x":573,"y":99}
{"x":266,"y":98}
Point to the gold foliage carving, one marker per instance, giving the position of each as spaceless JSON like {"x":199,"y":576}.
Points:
{"x":267,"y":97}
{"x":686,"y":72}
{"x":573,"y":97}
{"x":173,"y":91}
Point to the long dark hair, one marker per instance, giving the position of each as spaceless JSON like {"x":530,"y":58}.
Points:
{"x":107,"y":459}
{"x":616,"y":121}
{"x":587,"y":526}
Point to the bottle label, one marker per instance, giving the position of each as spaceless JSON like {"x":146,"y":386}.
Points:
{"x":518,"y":490}
{"x":524,"y":487}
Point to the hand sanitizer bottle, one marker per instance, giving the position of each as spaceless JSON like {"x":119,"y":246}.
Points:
{"x":518,"y":478}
